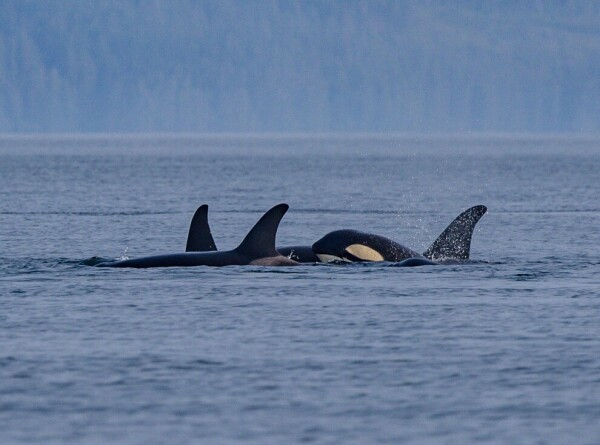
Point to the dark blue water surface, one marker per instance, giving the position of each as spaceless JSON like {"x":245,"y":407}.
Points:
{"x":505,"y":349}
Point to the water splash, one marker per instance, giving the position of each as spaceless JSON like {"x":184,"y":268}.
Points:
{"x":124,"y":256}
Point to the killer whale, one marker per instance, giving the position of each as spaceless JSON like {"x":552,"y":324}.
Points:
{"x":454,"y":243}
{"x":199,"y":236}
{"x":200,"y":239}
{"x":257,"y":248}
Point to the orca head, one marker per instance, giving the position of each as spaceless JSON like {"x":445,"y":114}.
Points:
{"x":346,"y":246}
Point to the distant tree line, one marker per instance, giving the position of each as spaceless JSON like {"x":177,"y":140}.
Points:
{"x":296,"y":66}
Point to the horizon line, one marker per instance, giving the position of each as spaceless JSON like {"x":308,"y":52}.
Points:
{"x":296,"y":134}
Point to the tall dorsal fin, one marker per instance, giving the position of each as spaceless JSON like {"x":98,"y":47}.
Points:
{"x":455,"y":241}
{"x":199,"y":237}
{"x":260,"y":241}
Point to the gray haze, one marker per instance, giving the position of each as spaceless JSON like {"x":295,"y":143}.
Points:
{"x":287,"y":66}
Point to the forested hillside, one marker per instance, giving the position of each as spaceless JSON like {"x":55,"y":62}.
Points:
{"x":295,"y":66}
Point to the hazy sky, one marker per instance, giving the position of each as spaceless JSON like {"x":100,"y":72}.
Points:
{"x":300,"y":66}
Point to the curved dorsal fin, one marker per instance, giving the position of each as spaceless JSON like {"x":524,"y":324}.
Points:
{"x":455,"y":241}
{"x":260,"y":241}
{"x":199,"y":237}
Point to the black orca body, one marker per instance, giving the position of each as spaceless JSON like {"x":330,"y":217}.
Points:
{"x":258,"y":248}
{"x":301,"y":254}
{"x":200,"y":240}
{"x":416,"y":261}
{"x":352,"y":245}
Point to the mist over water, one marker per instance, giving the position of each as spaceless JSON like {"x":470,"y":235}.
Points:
{"x":502,"y":350}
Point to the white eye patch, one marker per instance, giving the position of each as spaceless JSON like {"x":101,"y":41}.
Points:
{"x":364,"y":252}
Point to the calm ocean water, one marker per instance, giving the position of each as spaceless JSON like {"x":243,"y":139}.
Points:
{"x":505,"y":349}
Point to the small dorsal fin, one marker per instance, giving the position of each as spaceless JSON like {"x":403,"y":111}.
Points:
{"x":455,"y":241}
{"x":260,"y":241}
{"x":199,"y":237}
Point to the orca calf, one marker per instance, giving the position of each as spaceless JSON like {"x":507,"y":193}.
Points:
{"x":258,"y":248}
{"x":352,"y":245}
{"x":200,"y":240}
